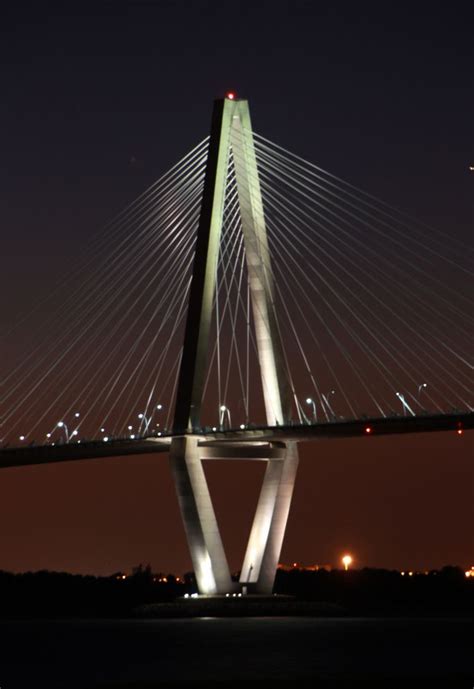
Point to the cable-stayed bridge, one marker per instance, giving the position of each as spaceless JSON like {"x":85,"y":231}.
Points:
{"x":246,"y":302}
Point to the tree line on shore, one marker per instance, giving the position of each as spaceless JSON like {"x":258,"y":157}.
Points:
{"x":359,"y":592}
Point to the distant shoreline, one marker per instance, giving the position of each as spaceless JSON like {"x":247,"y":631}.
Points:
{"x":298,"y":593}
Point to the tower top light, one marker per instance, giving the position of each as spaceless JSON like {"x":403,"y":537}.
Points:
{"x":230,"y":95}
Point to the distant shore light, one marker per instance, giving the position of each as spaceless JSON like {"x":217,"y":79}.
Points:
{"x":346,"y":561}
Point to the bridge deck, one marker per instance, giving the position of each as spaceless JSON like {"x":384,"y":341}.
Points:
{"x":369,"y":428}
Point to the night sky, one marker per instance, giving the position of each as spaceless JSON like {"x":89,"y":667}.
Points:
{"x":99,"y":99}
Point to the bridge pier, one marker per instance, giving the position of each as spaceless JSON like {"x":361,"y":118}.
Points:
{"x":269,"y":524}
{"x":202,"y":531}
{"x":200,"y":523}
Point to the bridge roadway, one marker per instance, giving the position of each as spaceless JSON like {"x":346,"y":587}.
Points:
{"x":251,"y":443}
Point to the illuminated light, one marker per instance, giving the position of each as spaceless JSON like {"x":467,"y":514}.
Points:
{"x":78,"y":441}
{"x":230,"y":95}
{"x":368,"y":429}
{"x":159,"y":406}
{"x":242,"y":426}
{"x":106,"y":439}
{"x":77,"y":415}
{"x":60,"y":424}
{"x":410,"y":574}
{"x":309,"y":400}
{"x":159,"y":432}
{"x":402,"y":573}
{"x":214,"y":429}
{"x":130,"y":428}
{"x":22,"y":437}
{"x":223,"y":408}
{"x":228,"y":594}
{"x":75,"y":432}
{"x":295,"y":564}
{"x":132,"y":437}
{"x":124,"y":576}
{"x":48,"y":435}
{"x":140,"y":416}
{"x":468,"y":573}
{"x":346,"y":561}
{"x":186,"y":595}
{"x":459,"y":431}
{"x":102,"y":430}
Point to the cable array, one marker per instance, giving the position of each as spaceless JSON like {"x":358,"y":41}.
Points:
{"x":374,"y":308}
{"x":106,"y":359}
{"x":373,"y":311}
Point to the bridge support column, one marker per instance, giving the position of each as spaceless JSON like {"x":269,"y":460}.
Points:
{"x":269,"y":524}
{"x":200,"y":524}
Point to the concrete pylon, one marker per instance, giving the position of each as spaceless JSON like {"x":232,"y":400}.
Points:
{"x":202,"y":532}
{"x":231,"y":134}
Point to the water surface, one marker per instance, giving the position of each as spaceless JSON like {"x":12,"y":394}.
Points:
{"x":249,"y":652}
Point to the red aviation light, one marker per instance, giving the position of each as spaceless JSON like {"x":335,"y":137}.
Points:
{"x":230,"y":95}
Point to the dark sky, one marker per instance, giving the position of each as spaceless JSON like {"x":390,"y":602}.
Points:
{"x":378,"y":93}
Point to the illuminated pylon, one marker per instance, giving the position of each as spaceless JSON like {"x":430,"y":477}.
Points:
{"x":232,"y":130}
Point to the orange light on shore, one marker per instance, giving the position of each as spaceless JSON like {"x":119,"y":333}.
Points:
{"x":346,"y":561}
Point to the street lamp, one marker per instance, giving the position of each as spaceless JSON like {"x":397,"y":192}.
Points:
{"x":326,"y":401}
{"x":405,"y":404}
{"x":310,"y":401}
{"x":143,"y":419}
{"x":147,"y":420}
{"x":223,"y":411}
{"x":421,"y":387}
{"x":61,"y":424}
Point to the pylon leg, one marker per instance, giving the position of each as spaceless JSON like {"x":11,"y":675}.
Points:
{"x":200,"y":524}
{"x":269,"y":524}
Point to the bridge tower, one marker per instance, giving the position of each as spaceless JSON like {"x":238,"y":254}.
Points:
{"x":231,"y":129}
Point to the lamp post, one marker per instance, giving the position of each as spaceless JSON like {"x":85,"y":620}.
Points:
{"x":223,"y":412}
{"x":310,"y":401}
{"x":143,"y":420}
{"x":147,"y":420}
{"x":405,"y":404}
{"x":326,"y":402}
{"x":421,"y":387}
{"x":61,"y":424}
